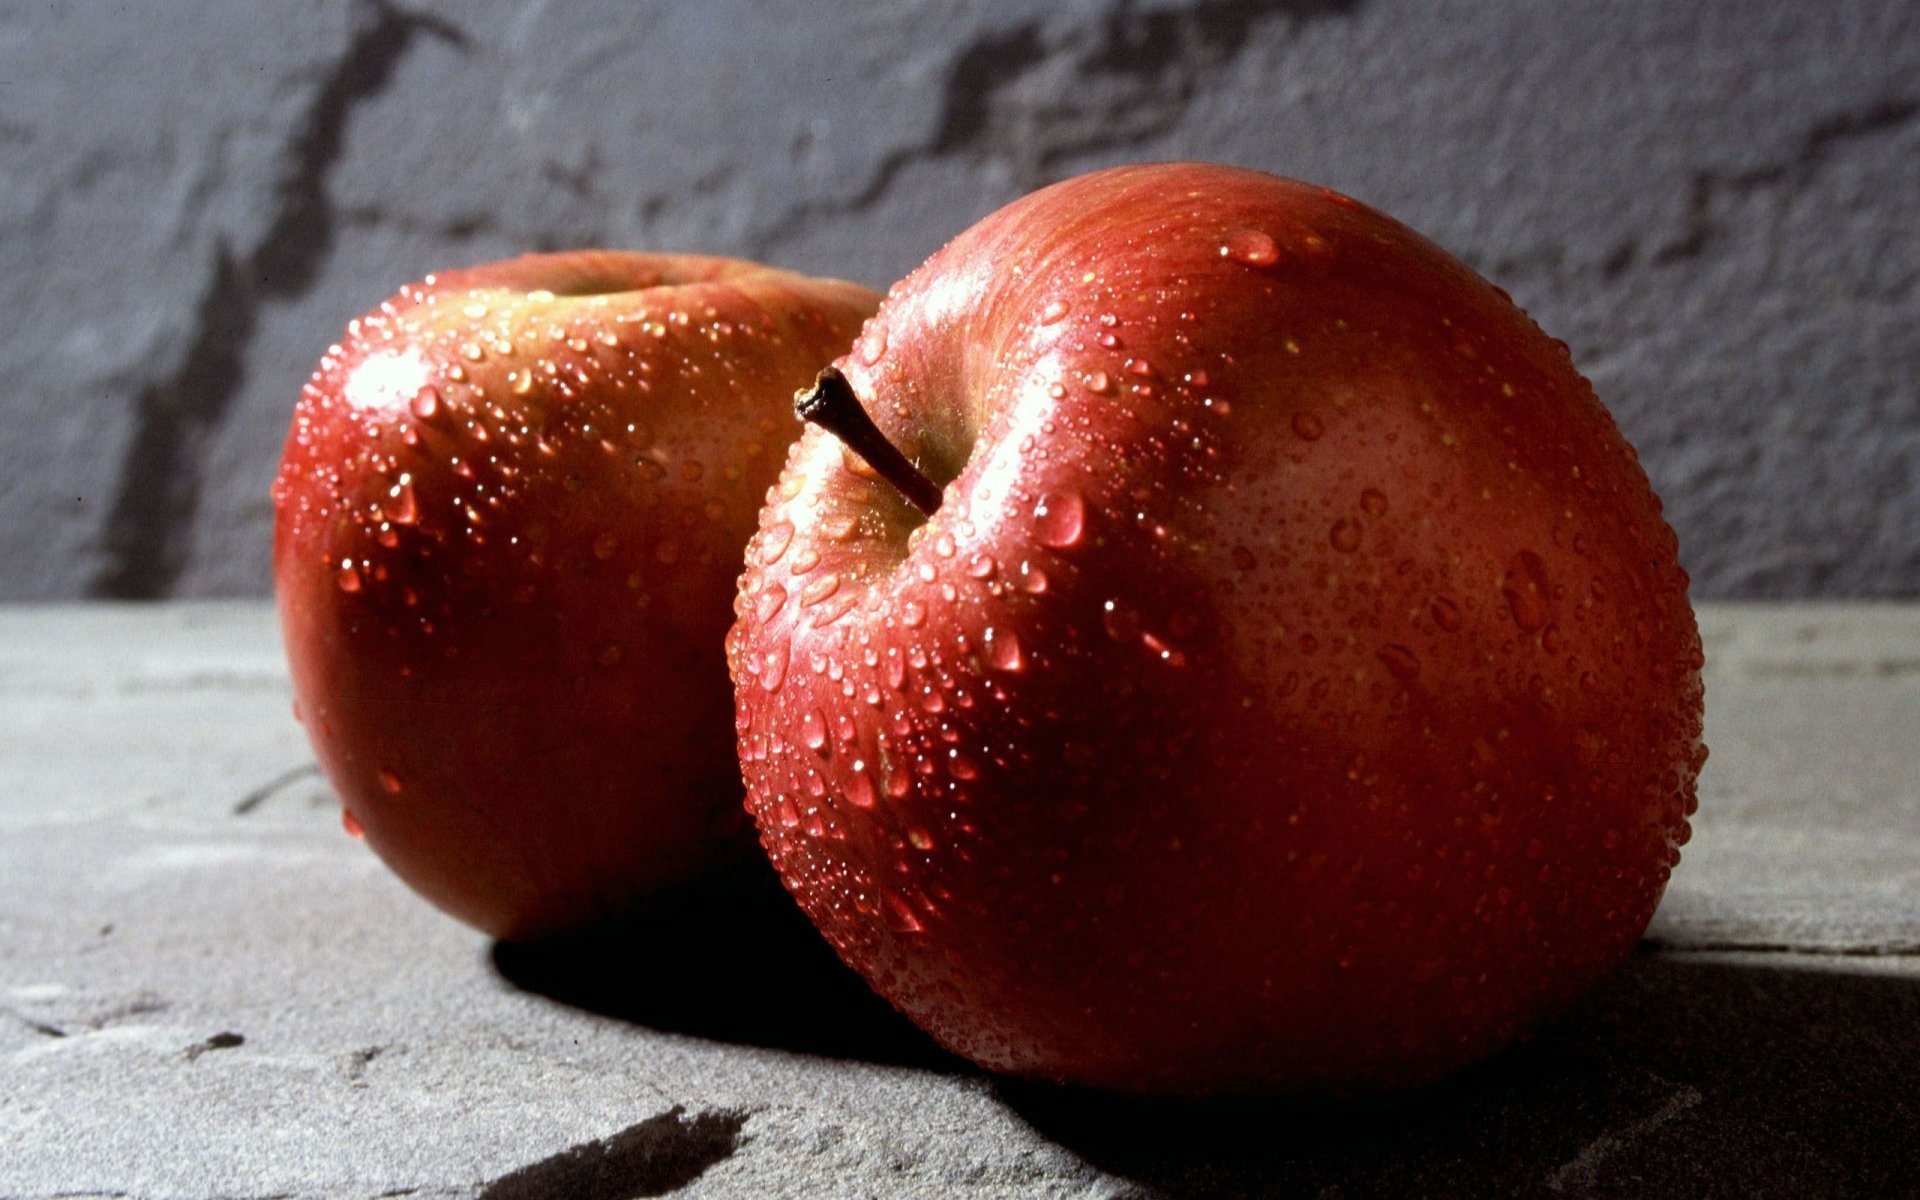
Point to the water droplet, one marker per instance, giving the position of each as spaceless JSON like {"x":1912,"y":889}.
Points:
{"x":351,"y":824}
{"x":961,"y":767}
{"x":1034,"y":581}
{"x":389,"y":782}
{"x":1446,"y":614}
{"x":1054,"y":310}
{"x":1252,"y":247}
{"x":774,"y":542}
{"x":1400,"y":661}
{"x":768,"y":602}
{"x":873,"y":344}
{"x":773,"y":667}
{"x":1003,"y":649}
{"x":1374,"y":502}
{"x":898,"y":916}
{"x":402,"y":508}
{"x":1308,"y":427}
{"x":819,"y":590}
{"x":1059,"y":519}
{"x":913,"y":614}
{"x":981,"y":566}
{"x":426,"y":402}
{"x":860,"y":787}
{"x":813,"y":730}
{"x":1345,"y":535}
{"x":348,"y":578}
{"x":1525,"y":587}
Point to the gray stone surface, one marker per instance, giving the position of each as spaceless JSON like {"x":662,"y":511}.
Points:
{"x":207,"y":990}
{"x":1712,"y":202}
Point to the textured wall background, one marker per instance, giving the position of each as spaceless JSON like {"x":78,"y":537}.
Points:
{"x":1714,"y":203}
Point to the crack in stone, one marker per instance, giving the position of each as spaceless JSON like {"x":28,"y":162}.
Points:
{"x":1131,"y":75}
{"x":219,"y":1041}
{"x":1582,"y":1172}
{"x":260,"y":795}
{"x":1706,"y":189}
{"x":148,"y":530}
{"x":661,"y":1154}
{"x":1813,"y":151}
{"x":40,"y":1027}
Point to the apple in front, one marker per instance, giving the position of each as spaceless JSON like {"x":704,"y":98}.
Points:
{"x":508,"y":521}
{"x":1294,"y":688}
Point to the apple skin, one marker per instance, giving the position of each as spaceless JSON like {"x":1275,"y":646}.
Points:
{"x":508,"y":522}
{"x":1296,"y":692}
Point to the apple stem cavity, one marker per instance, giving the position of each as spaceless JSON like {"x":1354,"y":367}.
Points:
{"x":831,"y":404}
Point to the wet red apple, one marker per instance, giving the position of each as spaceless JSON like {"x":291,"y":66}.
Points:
{"x":508,"y":522}
{"x":1293,"y":688}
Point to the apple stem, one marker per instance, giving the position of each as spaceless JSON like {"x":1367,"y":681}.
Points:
{"x":831,"y":404}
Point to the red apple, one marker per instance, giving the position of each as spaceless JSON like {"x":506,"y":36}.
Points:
{"x":508,"y":522}
{"x":1295,"y":689}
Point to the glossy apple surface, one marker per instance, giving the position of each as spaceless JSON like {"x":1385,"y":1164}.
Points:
{"x":1296,"y":691}
{"x":508,"y":522}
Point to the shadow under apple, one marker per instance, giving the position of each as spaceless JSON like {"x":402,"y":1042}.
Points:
{"x":733,"y":961}
{"x":1681,"y":1076}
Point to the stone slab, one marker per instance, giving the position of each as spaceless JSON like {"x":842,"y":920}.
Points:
{"x":207,"y":990}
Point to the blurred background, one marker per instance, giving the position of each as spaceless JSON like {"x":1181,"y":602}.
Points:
{"x":1714,"y":203}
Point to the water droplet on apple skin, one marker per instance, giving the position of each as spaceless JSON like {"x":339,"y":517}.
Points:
{"x":1250,"y":247}
{"x":1059,"y":519}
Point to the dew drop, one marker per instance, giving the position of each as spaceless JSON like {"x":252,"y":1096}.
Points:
{"x":1401,"y":662}
{"x":1446,"y":614}
{"x":351,"y":824}
{"x":402,"y":508}
{"x":774,"y":542}
{"x":1003,"y":650}
{"x":348,"y":579}
{"x":1308,"y":427}
{"x":1345,"y":535}
{"x":1059,"y":519}
{"x":770,"y":600}
{"x":426,"y":402}
{"x":1374,"y":502}
{"x":898,"y":915}
{"x":773,"y":667}
{"x":981,"y":566}
{"x":389,"y":782}
{"x":860,"y":787}
{"x":1525,"y":588}
{"x":1099,"y":383}
{"x":813,"y":730}
{"x":1252,"y":247}
{"x":818,"y":590}
{"x":873,"y":344}
{"x":1054,"y":310}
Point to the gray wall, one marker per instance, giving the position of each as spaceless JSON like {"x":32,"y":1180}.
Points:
{"x":1714,"y":203}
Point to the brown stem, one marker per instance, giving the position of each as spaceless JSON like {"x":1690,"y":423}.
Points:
{"x":831,"y":404}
